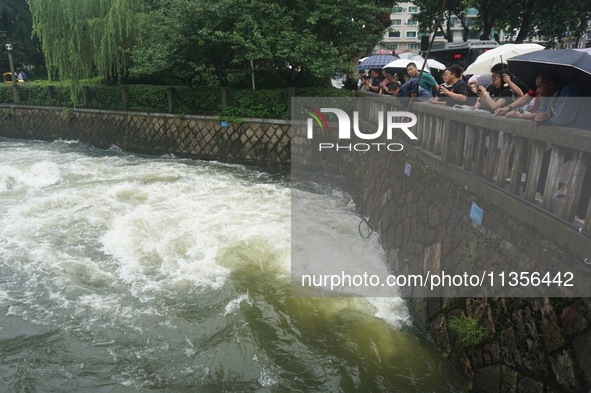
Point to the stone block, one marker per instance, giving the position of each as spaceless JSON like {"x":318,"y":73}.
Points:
{"x":572,"y":319}
{"x":439,"y":329}
{"x":461,"y":361}
{"x":488,"y":379}
{"x":562,"y":369}
{"x":491,"y":354}
{"x":549,"y":326}
{"x":582,"y":351}
{"x":527,"y":385}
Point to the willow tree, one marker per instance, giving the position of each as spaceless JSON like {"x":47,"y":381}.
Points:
{"x":82,"y":39}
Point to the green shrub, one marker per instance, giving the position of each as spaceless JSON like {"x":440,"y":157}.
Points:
{"x":106,"y":97}
{"x":6,"y":93}
{"x":148,"y":98}
{"x":467,"y":330}
{"x":324,"y":92}
{"x":207,"y":100}
{"x":199,"y":100}
{"x":269,"y":104}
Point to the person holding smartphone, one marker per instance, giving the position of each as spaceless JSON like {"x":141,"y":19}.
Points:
{"x":458,"y":92}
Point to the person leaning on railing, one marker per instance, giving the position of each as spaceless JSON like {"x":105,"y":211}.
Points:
{"x":510,"y":81}
{"x":495,"y":96}
{"x":458,"y":92}
{"x":521,"y":108}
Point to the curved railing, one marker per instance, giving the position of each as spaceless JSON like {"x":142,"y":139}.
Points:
{"x":506,"y":153}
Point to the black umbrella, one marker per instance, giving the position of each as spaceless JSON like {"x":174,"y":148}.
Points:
{"x":573,"y":65}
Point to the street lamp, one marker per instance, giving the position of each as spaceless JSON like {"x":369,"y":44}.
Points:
{"x":11,"y":62}
{"x":15,"y":93}
{"x":16,"y":97}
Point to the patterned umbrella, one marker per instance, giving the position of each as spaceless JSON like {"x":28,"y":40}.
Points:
{"x":376,"y":61}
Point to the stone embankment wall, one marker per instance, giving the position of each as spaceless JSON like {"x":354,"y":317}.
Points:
{"x":530,"y":344}
{"x":259,"y":142}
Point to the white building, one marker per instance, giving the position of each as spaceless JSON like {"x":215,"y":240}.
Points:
{"x":403,"y":34}
{"x":583,"y":42}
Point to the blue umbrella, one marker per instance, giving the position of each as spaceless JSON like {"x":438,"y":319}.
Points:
{"x":573,"y":65}
{"x":376,"y":61}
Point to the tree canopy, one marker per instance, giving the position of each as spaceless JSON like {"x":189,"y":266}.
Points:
{"x":16,"y":22}
{"x":187,"y":38}
{"x":546,"y":20}
{"x":288,"y":37}
{"x":82,"y":39}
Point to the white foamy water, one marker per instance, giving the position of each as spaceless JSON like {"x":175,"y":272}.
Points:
{"x":159,"y":273}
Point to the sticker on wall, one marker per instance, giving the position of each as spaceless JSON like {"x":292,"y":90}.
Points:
{"x":476,"y":213}
{"x":224,"y":123}
{"x":407,"y":169}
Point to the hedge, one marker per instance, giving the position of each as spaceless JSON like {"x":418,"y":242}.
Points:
{"x":270,"y":103}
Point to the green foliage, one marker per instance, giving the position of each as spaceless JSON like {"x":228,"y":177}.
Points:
{"x":242,"y":103}
{"x":543,"y":19}
{"x":553,"y":19}
{"x":271,"y":104}
{"x":81,"y":39}
{"x":148,"y":99}
{"x":467,"y":330}
{"x":203,"y":101}
{"x":16,"y":20}
{"x":472,"y":252}
{"x":324,"y":92}
{"x":193,"y":39}
{"x":6,"y":94}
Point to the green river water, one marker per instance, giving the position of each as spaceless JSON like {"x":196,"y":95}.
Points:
{"x":121,"y":273}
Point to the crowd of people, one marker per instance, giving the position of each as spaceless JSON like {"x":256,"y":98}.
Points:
{"x":499,"y":93}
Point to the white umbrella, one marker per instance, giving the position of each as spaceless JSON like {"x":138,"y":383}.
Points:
{"x":403,"y":63}
{"x":485,"y":61}
{"x":406,"y":55}
{"x":430,"y":62}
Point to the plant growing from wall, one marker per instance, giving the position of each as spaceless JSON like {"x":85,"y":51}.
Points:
{"x":472,"y":252}
{"x":467,"y":330}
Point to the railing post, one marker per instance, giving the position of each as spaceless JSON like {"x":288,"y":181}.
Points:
{"x":291,"y":93}
{"x":469,"y":148}
{"x":170,"y":97}
{"x":491,"y":155}
{"x":445,"y":139}
{"x":577,"y":173}
{"x":50,"y":92}
{"x":480,"y":152}
{"x":224,"y":98}
{"x":86,"y":96}
{"x":125,"y":97}
{"x":519,"y":156}
{"x":556,"y":159}
{"x":503,"y":158}
{"x":533,"y":172}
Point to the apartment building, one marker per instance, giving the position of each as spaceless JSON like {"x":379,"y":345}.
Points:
{"x":403,"y":34}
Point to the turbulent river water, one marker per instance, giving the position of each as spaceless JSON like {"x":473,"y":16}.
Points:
{"x":122,"y":273}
